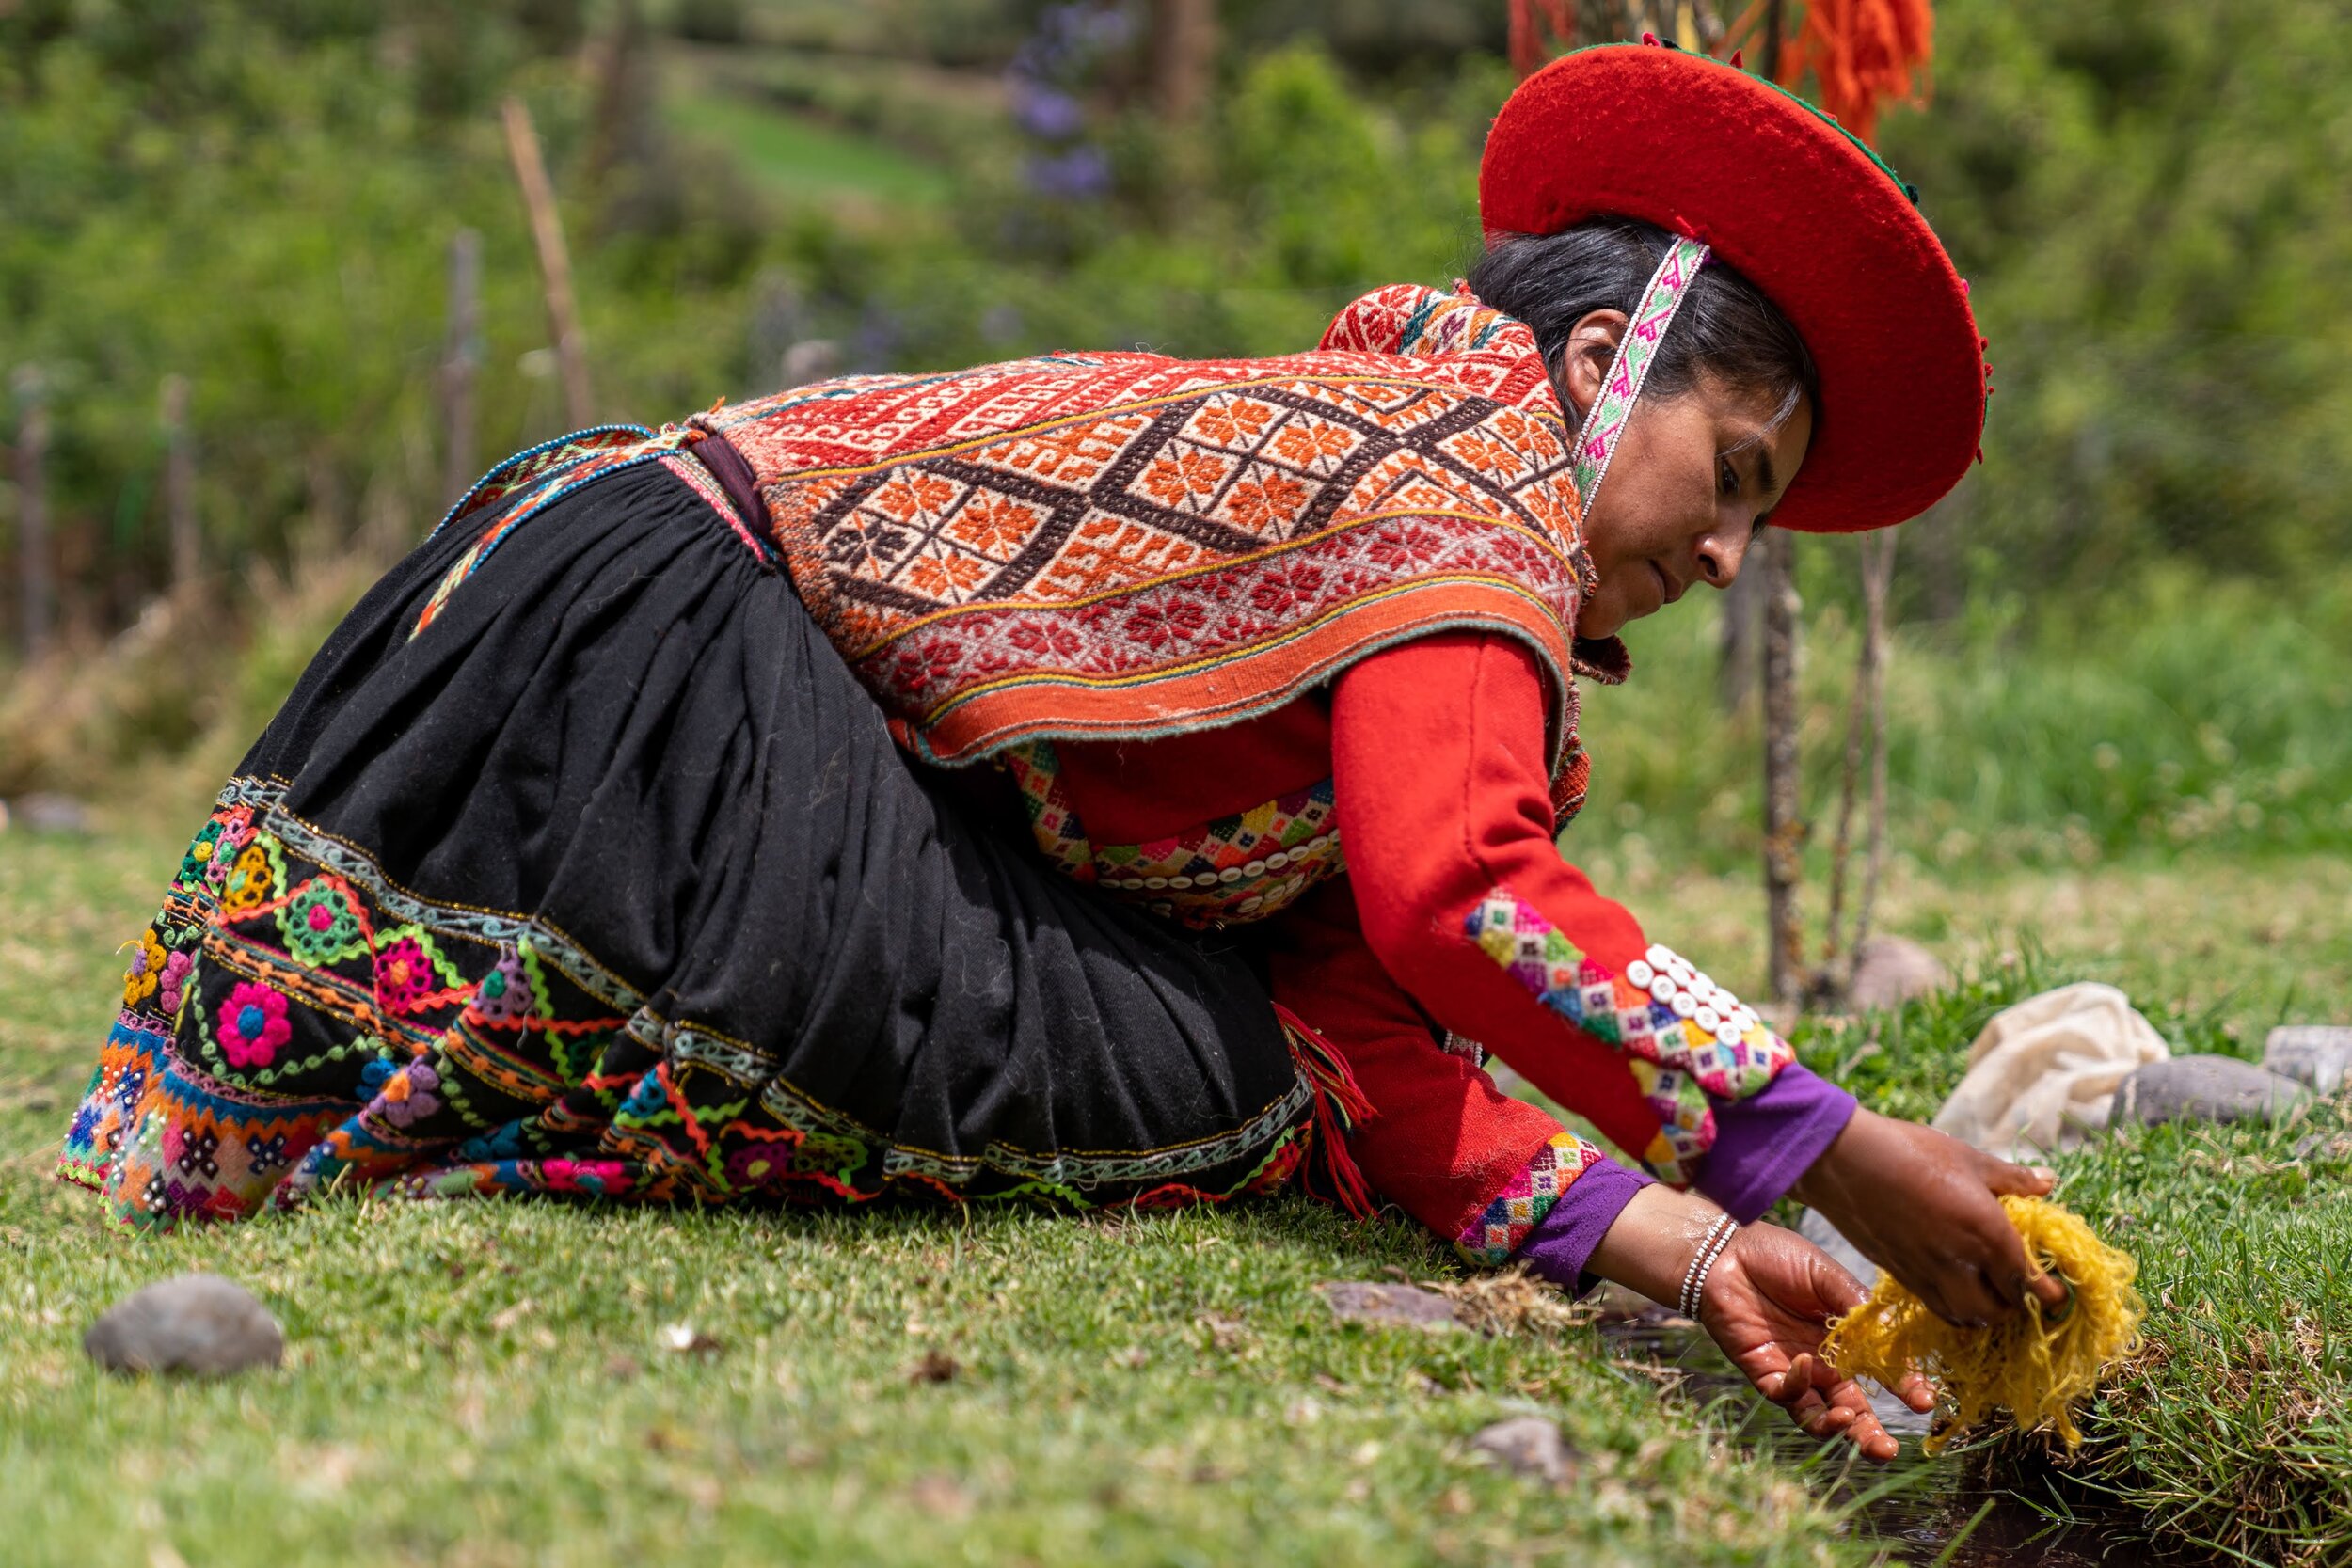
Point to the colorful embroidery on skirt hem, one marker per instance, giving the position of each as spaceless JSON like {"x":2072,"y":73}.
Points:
{"x":337,"y":1031}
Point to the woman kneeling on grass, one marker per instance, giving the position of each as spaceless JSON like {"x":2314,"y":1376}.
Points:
{"x":627,"y":839}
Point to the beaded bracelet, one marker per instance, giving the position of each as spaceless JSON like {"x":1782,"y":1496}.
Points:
{"x":1712,"y":1246}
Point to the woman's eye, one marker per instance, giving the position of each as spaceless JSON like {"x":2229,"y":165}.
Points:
{"x":1729,"y":477}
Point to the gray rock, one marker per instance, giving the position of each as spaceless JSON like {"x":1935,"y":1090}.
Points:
{"x":1378,"y":1302}
{"x":1891,"y":971}
{"x":2205,"y":1088}
{"x":2312,"y":1054}
{"x":52,"y":814}
{"x":1529,"y":1446}
{"x":197,"y":1323}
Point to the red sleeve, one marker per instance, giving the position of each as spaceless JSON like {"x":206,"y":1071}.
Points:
{"x":1442,"y":1141}
{"x":1440,"y":763}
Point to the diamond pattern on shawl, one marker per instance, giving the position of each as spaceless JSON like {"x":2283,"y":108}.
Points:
{"x":1151,"y":541}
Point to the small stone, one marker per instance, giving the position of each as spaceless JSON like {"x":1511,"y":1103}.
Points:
{"x":2205,"y":1088}
{"x":1891,"y":971}
{"x":2312,"y":1054}
{"x":1375,"y":1302}
{"x":1527,"y":1446}
{"x":197,"y":1323}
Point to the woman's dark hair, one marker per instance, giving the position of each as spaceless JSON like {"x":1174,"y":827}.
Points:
{"x":1725,"y":328}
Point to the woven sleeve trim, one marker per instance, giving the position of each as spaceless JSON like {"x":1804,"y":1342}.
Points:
{"x":1687,"y":1041}
{"x":1490,"y":1239}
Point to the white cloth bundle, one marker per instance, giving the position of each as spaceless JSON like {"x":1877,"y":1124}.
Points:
{"x":2045,"y":1071}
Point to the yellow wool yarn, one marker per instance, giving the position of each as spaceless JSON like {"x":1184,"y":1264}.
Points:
{"x":2033,"y":1367}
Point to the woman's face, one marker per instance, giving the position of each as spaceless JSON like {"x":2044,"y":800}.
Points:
{"x":1694,"y":478}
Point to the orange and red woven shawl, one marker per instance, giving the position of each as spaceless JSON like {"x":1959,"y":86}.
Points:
{"x":1117,"y":545}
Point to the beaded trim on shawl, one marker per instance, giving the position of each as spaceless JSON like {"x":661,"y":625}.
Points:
{"x":1127,"y":545}
{"x":1250,"y":866}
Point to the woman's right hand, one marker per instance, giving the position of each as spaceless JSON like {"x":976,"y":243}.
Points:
{"x":1768,"y":1303}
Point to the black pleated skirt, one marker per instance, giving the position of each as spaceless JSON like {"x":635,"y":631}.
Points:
{"x":611,"y":881}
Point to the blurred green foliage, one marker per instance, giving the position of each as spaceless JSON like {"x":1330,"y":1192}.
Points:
{"x":2135,"y":628}
{"x":2149,"y":201}
{"x":2179,"y":713}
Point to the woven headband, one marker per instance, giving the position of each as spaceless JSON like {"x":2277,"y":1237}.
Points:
{"x":1596,"y":439}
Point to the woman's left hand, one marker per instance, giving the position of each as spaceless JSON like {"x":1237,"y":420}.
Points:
{"x":1768,"y":1302}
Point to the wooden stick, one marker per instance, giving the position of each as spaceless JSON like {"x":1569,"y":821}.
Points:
{"x":35,"y":577}
{"x":555,"y":266}
{"x":1184,"y":57}
{"x":1877,"y":589}
{"x":180,"y":520}
{"x":1784,"y":821}
{"x":460,"y":354}
{"x":1735,"y":650}
{"x":1848,"y":792}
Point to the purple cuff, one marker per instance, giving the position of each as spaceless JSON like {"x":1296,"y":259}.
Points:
{"x":1565,"y":1238}
{"x":1765,"y":1141}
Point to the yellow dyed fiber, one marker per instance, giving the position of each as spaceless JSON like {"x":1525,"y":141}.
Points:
{"x":2034,"y":1369}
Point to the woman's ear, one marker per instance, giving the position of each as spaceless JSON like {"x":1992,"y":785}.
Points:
{"x":1586,"y":358}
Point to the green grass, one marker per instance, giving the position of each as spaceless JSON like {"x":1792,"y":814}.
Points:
{"x":2179,"y":715}
{"x":2233,"y":1432}
{"x":795,"y":156}
{"x":489,"y":1383}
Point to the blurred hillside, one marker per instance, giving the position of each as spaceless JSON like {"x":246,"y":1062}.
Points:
{"x":261,"y":197}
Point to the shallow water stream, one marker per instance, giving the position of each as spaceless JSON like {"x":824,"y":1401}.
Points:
{"x":1918,"y":1521}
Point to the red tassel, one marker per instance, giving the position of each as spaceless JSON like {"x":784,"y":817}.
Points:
{"x":1736,"y":63}
{"x":1530,"y":21}
{"x":1341,"y":1106}
{"x":1862,"y":54}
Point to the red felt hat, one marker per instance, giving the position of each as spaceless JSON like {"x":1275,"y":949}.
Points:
{"x":1808,"y":214}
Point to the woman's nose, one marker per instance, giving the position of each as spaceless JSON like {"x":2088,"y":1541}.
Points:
{"x":1720,"y":558}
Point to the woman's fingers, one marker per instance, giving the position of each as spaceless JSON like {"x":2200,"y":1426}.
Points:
{"x":1916,"y":1392}
{"x":2005,"y":1176}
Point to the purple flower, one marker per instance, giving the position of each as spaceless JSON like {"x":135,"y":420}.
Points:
{"x":504,"y":994}
{"x":1046,"y":113}
{"x":1080,"y":174}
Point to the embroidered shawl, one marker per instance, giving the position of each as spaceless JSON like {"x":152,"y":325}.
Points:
{"x":1123,"y":545}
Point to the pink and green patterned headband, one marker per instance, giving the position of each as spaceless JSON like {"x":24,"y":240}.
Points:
{"x":1596,"y":439}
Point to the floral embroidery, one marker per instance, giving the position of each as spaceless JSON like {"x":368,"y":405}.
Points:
{"x":173,"y":985}
{"x":319,"y":923}
{"x":1491,"y":1238}
{"x":404,"y":974}
{"x":1686,"y":1039}
{"x":765,"y":1162}
{"x":220,"y":1118}
{"x":254,"y":1025}
{"x":249,"y":882}
{"x":409,"y":1096}
{"x":504,"y":995}
{"x":148,"y":959}
{"x":589,"y":1177}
